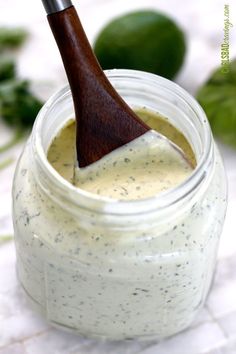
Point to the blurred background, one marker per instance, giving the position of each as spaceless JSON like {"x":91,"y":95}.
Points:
{"x":201,"y":22}
{"x":22,"y":331}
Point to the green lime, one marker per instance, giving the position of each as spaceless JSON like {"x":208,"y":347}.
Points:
{"x":143,"y":40}
{"x":218,"y":98}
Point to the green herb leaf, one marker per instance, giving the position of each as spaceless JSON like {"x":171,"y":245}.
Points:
{"x":6,"y":163}
{"x":11,"y":37}
{"x":18,"y":106}
{"x":218,"y":99}
{"x":7,"y":68}
{"x":5,"y":238}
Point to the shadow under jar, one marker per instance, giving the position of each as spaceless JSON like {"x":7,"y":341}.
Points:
{"x":119,"y":269}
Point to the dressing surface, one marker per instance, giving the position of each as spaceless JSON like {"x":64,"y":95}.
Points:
{"x":145,"y":167}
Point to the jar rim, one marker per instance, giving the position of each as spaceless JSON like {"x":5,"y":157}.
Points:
{"x":100,"y":204}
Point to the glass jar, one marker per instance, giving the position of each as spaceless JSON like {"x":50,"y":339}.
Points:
{"x":119,"y":269}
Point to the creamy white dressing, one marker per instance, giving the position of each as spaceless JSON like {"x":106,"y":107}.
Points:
{"x":145,"y":167}
{"x":117,"y":276}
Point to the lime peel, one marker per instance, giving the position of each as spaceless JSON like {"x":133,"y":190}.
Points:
{"x":143,"y":40}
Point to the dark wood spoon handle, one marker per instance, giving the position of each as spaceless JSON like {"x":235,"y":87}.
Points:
{"x":104,"y":121}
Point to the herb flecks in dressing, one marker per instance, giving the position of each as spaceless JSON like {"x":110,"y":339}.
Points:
{"x":147,"y":166}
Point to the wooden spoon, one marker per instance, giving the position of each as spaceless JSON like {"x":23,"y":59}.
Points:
{"x":104,"y":121}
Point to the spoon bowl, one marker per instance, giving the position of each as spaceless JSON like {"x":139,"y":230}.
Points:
{"x":104,"y":121}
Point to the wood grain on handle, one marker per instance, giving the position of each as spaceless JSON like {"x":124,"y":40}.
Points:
{"x":104,"y":121}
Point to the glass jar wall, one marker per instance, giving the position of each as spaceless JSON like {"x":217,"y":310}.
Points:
{"x":119,"y":269}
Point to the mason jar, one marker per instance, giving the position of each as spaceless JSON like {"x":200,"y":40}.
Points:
{"x":111,"y":268}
